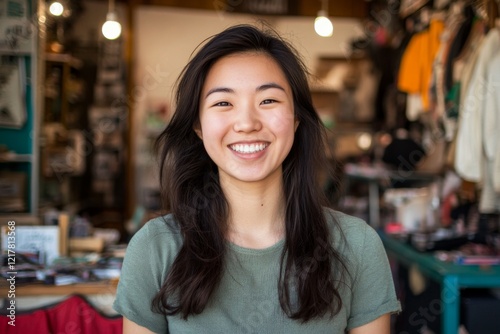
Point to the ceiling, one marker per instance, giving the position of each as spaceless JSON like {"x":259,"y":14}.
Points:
{"x":336,"y":8}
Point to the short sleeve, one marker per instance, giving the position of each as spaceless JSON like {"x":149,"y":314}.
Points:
{"x":141,"y":278}
{"x":373,"y":293}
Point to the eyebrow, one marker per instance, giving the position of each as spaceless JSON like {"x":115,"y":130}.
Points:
{"x":258,"y":89}
{"x":219,"y":90}
{"x":269,"y":86}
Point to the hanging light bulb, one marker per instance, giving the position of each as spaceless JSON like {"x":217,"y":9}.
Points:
{"x":111,"y":29}
{"x":322,"y":24}
{"x":56,"y":8}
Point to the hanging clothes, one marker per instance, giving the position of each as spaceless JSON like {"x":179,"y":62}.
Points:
{"x":469,"y":150}
{"x":408,"y":7}
{"x":491,"y":121}
{"x":415,"y":71}
{"x":490,"y":196}
{"x":453,"y":22}
{"x":477,"y":155}
{"x":459,"y":41}
{"x":462,"y":67}
{"x":464,"y":63}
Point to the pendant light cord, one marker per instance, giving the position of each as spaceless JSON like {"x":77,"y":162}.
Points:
{"x":324,"y":6}
{"x":111,"y":6}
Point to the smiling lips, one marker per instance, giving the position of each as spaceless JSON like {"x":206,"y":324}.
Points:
{"x":248,"y":148}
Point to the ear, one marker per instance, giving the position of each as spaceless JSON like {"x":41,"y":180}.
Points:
{"x":197,"y":130}
{"x":296,"y":125}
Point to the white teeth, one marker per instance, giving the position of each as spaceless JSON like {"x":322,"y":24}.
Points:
{"x":241,"y":148}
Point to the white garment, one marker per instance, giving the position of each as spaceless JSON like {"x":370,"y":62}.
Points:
{"x":414,"y":106}
{"x":491,"y":123}
{"x":467,"y":67}
{"x":496,"y":172}
{"x":489,"y":201}
{"x":469,"y":151}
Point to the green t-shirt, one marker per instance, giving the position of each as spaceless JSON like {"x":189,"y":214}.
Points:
{"x":246,"y":300}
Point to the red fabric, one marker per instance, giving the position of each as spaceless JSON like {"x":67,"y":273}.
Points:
{"x":33,"y":322}
{"x":73,"y":315}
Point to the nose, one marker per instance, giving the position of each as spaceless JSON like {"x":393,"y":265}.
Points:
{"x":247,"y":119}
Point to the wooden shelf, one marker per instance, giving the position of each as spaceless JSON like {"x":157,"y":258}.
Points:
{"x":20,"y":219}
{"x":94,"y":288}
{"x":12,"y":157}
{"x":64,"y":58}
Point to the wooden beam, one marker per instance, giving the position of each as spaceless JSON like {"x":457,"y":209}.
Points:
{"x":336,"y":8}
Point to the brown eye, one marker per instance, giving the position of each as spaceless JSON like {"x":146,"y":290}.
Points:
{"x":222,"y":104}
{"x":268,"y":101}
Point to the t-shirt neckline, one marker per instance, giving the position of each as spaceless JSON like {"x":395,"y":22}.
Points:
{"x":256,"y":251}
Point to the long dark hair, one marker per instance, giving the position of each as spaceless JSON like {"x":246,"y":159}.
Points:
{"x":191,"y":189}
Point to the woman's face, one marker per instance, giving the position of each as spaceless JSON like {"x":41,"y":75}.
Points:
{"x":247,"y":121}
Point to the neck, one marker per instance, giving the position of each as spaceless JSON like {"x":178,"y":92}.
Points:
{"x":256,"y":212}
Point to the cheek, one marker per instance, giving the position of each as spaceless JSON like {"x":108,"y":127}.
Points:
{"x":283,"y":123}
{"x":212,"y":129}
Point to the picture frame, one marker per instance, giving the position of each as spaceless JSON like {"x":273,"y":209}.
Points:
{"x":44,"y":240}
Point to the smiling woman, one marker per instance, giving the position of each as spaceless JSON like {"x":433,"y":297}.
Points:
{"x":248,"y":246}
{"x":247,"y":125}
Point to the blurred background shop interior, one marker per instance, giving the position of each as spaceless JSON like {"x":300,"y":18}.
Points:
{"x":407,"y":90}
